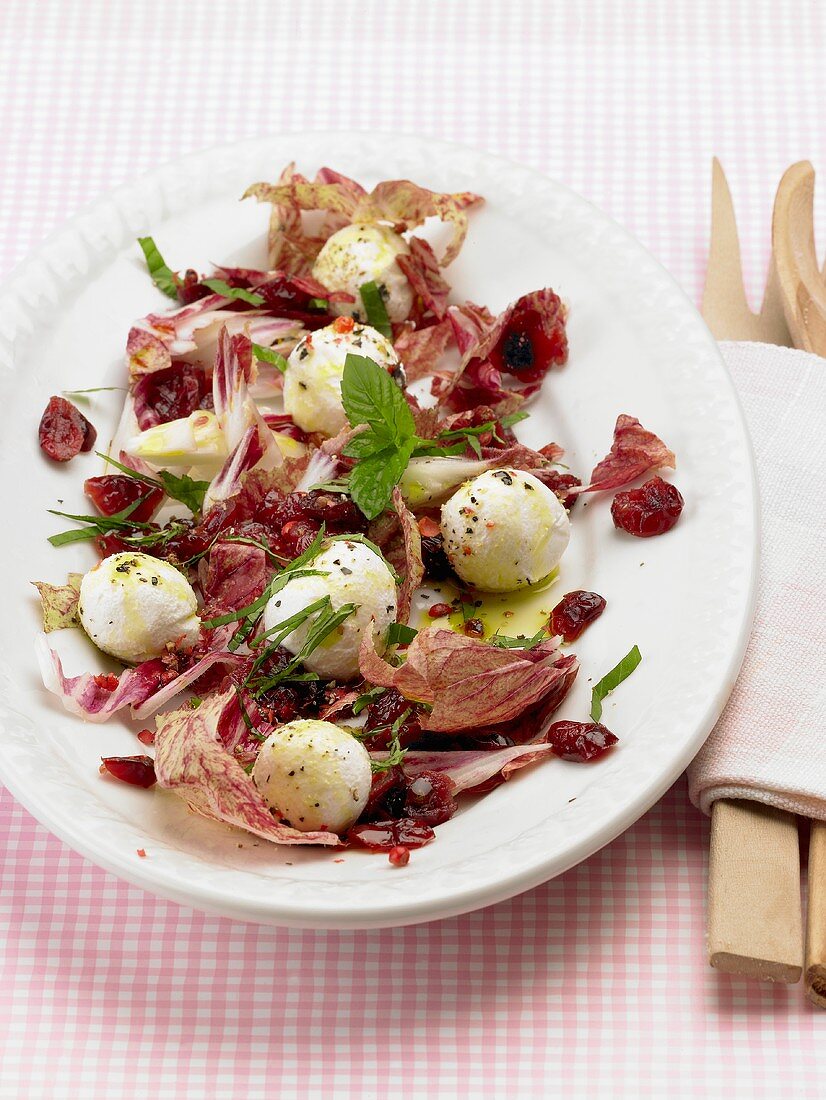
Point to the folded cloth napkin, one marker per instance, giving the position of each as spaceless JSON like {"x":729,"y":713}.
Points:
{"x":770,"y":742}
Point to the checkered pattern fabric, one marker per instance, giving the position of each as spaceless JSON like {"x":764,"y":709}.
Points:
{"x":596,"y":983}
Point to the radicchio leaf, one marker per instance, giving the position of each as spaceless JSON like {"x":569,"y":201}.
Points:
{"x":414,"y":566}
{"x":421,"y":349}
{"x":60,"y":603}
{"x":191,"y":760}
{"x":633,"y":453}
{"x":422,"y":271}
{"x":235,"y":577}
{"x":534,"y":323}
{"x":451,"y":673}
{"x":145,"y":689}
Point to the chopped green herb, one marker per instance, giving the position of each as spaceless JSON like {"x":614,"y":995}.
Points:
{"x":520,"y":642}
{"x":395,"y":753}
{"x":318,"y":303}
{"x":399,"y":634}
{"x":97,"y":525}
{"x":81,"y":394}
{"x":162,"y":276}
{"x":236,"y":293}
{"x":267,"y":355}
{"x":376,"y":309}
{"x":613,"y":679}
{"x":366,"y":699}
{"x":183,"y":488}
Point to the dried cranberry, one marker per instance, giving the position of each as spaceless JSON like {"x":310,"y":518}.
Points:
{"x":169,"y":394}
{"x":391,"y":710}
{"x":439,"y":610}
{"x":388,"y":792}
{"x":574,"y":612}
{"x":190,"y":287}
{"x":139,"y":771}
{"x":651,"y":510}
{"x":580,"y":741}
{"x":399,"y":856}
{"x":430,"y":798}
{"x":561,"y":484}
{"x":64,"y":431}
{"x":146,"y":737}
{"x":106,"y":680}
{"x":475,"y":628}
{"x":113,"y":492}
{"x":286,"y":299}
{"x":527,"y":347}
{"x":382,"y":836}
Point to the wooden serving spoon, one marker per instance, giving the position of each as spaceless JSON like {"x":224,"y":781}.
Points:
{"x":802,"y":287}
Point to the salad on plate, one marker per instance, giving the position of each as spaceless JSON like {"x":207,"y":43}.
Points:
{"x":327,"y":562}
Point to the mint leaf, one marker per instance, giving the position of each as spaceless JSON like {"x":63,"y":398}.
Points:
{"x":613,"y":679}
{"x":372,"y":480}
{"x":188,"y":492}
{"x":237,"y":293}
{"x":162,"y":276}
{"x":267,"y":355}
{"x":365,"y":445}
{"x":370,"y":396}
{"x":375,"y":309}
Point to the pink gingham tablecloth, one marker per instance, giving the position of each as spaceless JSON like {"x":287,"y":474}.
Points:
{"x":596,"y":983}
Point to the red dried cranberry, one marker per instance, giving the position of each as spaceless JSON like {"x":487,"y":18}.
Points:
{"x":526,"y":348}
{"x":391,"y":710}
{"x":113,"y":492}
{"x":146,"y":737}
{"x":286,"y":299}
{"x":430,"y":798}
{"x":139,"y":771}
{"x":580,"y":741}
{"x":399,"y":856}
{"x":651,"y":510}
{"x":439,"y":610}
{"x":574,"y":612}
{"x":169,"y":394}
{"x":190,"y":287}
{"x":561,"y":484}
{"x":475,"y":628}
{"x":64,"y":431}
{"x":381,"y":836}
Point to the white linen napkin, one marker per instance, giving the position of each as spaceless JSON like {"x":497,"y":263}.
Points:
{"x":770,"y":742}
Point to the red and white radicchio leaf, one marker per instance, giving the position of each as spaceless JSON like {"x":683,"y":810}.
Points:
{"x":234,"y":578}
{"x":250,"y":441}
{"x":145,"y":688}
{"x":523,"y":342}
{"x":633,"y":453}
{"x":451,"y":673}
{"x":467,"y":769}
{"x":191,"y":760}
{"x":422,"y":271}
{"x":421,"y":349}
{"x":414,"y":566}
{"x":59,"y":603}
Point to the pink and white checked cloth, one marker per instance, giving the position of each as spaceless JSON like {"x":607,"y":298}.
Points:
{"x":595,"y":984}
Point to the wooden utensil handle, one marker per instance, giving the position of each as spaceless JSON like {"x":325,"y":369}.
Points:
{"x":815,"y":978}
{"x":755,"y":926}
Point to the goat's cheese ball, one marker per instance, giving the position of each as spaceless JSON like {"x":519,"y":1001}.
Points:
{"x":133,"y":605}
{"x":359,"y":254}
{"x":352,"y":573}
{"x":504,"y":530}
{"x":312,"y":382}
{"x":314,"y":775}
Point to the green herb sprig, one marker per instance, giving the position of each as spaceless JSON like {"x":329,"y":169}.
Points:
{"x":236,"y":293}
{"x":162,"y":276}
{"x":613,"y":679}
{"x":375,"y":309}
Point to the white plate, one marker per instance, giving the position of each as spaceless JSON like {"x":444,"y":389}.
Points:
{"x":637,"y":346}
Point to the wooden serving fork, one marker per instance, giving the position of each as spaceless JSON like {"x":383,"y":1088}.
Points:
{"x":754,"y":907}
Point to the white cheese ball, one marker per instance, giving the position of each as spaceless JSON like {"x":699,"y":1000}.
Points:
{"x":504,"y":530}
{"x":314,"y":775}
{"x":312,"y":382}
{"x":133,"y":605}
{"x":360,"y":254}
{"x":354,"y":574}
